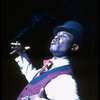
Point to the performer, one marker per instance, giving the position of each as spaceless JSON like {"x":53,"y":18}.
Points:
{"x":54,"y":81}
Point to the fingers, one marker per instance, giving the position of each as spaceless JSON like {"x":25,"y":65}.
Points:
{"x":12,"y":52}
{"x":16,"y":43}
{"x":27,"y":47}
{"x":17,"y":48}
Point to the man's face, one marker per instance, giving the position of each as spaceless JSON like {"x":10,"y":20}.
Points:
{"x":61,"y":42}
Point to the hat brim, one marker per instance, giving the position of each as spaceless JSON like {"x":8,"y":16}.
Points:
{"x":62,"y":28}
{"x":70,"y":30}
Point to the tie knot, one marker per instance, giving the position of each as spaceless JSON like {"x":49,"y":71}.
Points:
{"x":47,"y":64}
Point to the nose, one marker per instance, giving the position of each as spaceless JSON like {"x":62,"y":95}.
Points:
{"x":56,"y":37}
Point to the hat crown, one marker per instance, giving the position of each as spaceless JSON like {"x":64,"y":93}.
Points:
{"x":74,"y":26}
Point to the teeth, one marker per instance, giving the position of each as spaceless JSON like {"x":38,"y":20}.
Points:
{"x":53,"y":42}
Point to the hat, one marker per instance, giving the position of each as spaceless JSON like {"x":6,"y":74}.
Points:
{"x":73,"y":27}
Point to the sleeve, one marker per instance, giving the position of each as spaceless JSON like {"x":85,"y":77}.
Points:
{"x":26,"y":66}
{"x":62,"y":87}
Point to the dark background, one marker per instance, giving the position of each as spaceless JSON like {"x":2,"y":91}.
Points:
{"x":31,"y":22}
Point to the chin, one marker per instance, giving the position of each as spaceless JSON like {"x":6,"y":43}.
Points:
{"x":53,"y":49}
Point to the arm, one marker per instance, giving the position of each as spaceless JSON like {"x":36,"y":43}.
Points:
{"x":23,"y":60}
{"x":26,"y":66}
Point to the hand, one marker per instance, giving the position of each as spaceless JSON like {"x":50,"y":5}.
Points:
{"x":17,"y":48}
{"x":33,"y":97}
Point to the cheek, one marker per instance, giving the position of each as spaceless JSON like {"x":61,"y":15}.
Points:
{"x":64,"y":45}
{"x":63,"y":48}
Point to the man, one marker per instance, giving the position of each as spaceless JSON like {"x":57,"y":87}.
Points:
{"x":54,"y":81}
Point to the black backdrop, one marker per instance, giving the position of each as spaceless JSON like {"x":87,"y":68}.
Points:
{"x":31,"y":22}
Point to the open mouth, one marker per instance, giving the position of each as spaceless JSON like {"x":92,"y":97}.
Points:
{"x":54,"y":42}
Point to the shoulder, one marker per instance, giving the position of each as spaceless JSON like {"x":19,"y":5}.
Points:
{"x":62,"y":83}
{"x":62,"y":79}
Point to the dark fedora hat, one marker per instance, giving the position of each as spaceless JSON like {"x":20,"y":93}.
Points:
{"x":73,"y":27}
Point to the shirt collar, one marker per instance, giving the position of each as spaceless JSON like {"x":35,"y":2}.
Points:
{"x":59,"y":61}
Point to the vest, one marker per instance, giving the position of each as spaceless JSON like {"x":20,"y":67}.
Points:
{"x":41,"y":81}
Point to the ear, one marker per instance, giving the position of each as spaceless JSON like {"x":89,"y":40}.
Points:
{"x":75,"y":47}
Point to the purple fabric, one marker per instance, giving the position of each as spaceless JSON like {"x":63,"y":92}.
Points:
{"x":30,"y":89}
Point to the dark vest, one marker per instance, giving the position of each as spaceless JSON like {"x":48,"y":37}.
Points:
{"x":41,"y":81}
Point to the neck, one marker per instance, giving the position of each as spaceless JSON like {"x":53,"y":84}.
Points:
{"x":58,"y":53}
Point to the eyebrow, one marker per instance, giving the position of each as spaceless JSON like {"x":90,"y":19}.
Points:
{"x":65,"y":34}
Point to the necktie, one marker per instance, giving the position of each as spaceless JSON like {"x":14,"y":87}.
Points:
{"x":47,"y":64}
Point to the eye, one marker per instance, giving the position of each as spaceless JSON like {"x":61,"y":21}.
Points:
{"x":63,"y":36}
